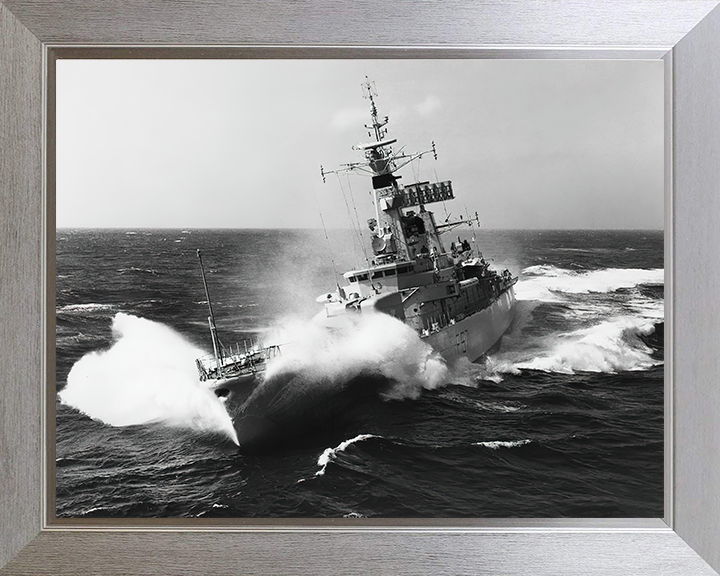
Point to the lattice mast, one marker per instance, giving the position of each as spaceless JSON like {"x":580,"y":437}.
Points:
{"x":396,"y":234}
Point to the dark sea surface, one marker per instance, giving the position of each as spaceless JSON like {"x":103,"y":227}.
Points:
{"x":564,"y":420}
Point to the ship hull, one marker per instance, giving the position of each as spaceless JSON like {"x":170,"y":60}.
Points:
{"x":239,"y":387}
{"x":287,"y":406}
{"x":473,"y":336}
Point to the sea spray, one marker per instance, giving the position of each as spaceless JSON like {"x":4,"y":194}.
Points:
{"x":147,"y":375}
{"x":361,"y":343}
{"x":324,"y":375}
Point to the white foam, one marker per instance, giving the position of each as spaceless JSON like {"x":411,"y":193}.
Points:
{"x":547,"y":283}
{"x":496,"y":444}
{"x":652,"y":309}
{"x":610,"y":346}
{"x":85,"y":307}
{"x":147,"y":375}
{"x":329,"y":454}
{"x":362,"y":343}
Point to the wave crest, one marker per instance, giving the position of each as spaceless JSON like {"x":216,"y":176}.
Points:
{"x":547,"y":283}
{"x":611,"y":346}
{"x":496,"y":444}
{"x":329,"y":454}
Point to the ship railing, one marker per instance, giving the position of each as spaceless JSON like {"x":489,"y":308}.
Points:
{"x":230,"y":366}
{"x":234,"y":362}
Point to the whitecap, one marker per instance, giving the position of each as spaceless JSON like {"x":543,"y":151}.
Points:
{"x":496,"y":444}
{"x":329,"y":454}
{"x":90,"y":307}
{"x":549,"y":283}
{"x":611,"y":346}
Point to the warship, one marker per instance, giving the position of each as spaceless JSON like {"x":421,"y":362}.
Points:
{"x":450,"y":295}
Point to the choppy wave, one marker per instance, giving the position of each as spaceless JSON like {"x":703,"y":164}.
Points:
{"x":329,"y":454}
{"x":547,"y":283}
{"x":497,"y":444}
{"x":610,"y":346}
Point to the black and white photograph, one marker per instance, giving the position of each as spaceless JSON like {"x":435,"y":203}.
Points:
{"x":382,"y":288}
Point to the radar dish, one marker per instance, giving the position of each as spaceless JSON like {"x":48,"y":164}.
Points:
{"x":378,"y":244}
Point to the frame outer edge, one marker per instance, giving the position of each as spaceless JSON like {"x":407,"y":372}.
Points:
{"x":21,"y":355}
{"x":696,"y":104}
{"x":396,"y":554}
{"x":349,"y":22}
{"x":20,"y":256}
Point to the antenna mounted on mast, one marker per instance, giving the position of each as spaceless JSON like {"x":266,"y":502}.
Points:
{"x":368,"y":89}
{"x":369,"y":93}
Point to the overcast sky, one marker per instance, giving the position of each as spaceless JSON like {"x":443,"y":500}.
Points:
{"x":238,"y":144}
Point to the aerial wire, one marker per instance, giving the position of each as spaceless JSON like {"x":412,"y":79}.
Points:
{"x":352,"y":222}
{"x":327,"y":239}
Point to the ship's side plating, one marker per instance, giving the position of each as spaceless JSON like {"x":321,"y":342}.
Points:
{"x":475,"y":335}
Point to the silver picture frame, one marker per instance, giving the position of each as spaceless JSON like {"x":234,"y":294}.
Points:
{"x":685,"y":34}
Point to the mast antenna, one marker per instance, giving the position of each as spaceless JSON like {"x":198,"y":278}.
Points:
{"x":377,"y":126}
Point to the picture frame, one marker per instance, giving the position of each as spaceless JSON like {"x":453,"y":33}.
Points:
{"x":685,"y":34}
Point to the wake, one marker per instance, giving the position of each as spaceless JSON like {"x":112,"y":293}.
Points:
{"x":613,"y":328}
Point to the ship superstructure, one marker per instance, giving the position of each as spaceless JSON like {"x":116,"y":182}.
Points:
{"x":449,"y":294}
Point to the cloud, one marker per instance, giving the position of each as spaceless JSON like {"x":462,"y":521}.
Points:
{"x":428,"y":106}
{"x":350,"y":117}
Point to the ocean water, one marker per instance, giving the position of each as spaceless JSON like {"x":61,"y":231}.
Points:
{"x":564,"y":420}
